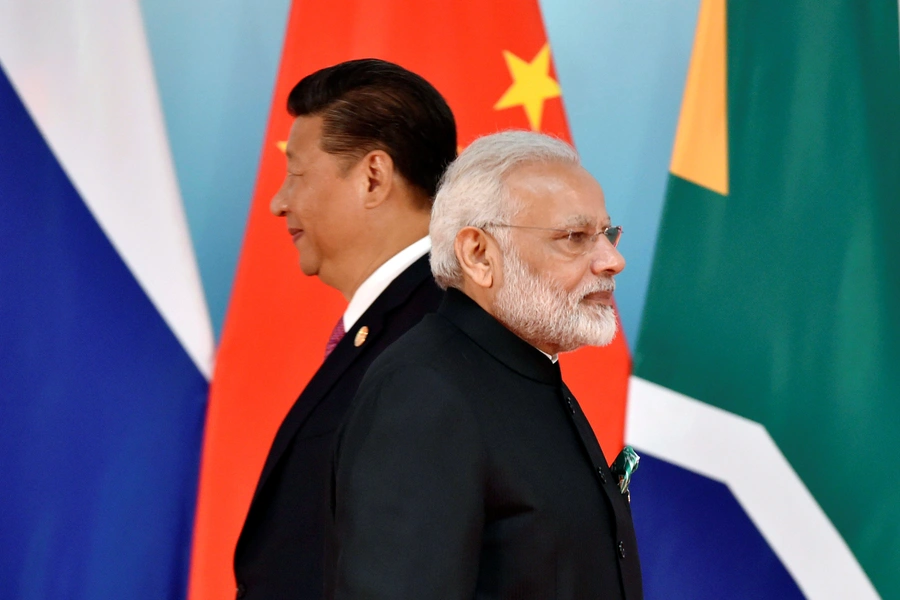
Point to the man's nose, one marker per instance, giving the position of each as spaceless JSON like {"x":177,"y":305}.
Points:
{"x":606,"y":258}
{"x":277,"y":205}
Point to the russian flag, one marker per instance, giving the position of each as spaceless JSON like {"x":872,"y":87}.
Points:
{"x":105,"y":341}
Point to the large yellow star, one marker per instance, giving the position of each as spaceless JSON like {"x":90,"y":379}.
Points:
{"x":531,"y":86}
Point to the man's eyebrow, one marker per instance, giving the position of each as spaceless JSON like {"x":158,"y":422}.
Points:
{"x":578,"y":221}
{"x":585,"y":221}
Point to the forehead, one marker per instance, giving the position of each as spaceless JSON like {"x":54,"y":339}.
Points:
{"x":304,"y":137}
{"x":553,"y":194}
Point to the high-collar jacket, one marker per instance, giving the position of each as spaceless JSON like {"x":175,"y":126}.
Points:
{"x":280,"y":550}
{"x":466,"y":469}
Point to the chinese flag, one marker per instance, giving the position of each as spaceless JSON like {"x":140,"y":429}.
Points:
{"x":491,"y":61}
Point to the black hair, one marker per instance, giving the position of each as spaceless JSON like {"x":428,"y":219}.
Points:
{"x":371,"y":104}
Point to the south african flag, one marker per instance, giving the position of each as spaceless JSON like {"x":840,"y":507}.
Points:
{"x":769,"y":353}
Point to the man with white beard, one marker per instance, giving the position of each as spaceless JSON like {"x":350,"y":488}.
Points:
{"x":466,"y":468}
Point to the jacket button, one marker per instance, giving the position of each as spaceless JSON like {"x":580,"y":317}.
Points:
{"x":622,"y":549}
{"x":600,"y":473}
{"x":241,"y":590}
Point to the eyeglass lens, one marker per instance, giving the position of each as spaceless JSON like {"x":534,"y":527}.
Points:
{"x":613,"y":234}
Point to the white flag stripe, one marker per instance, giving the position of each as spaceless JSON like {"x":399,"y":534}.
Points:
{"x":742,"y":454}
{"x":84,"y":71}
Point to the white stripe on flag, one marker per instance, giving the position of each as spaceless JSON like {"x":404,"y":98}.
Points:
{"x":742,"y":454}
{"x":84,"y":71}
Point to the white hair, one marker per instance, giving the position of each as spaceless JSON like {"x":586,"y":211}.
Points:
{"x":473,"y":191}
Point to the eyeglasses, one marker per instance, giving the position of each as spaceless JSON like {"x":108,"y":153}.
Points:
{"x":575,"y":241}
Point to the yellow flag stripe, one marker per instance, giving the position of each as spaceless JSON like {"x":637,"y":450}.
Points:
{"x":700,"y":154}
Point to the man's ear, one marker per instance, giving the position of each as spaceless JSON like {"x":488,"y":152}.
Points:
{"x":377,"y":170}
{"x":476,"y":252}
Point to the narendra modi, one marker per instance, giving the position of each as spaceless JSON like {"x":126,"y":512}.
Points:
{"x":466,"y":468}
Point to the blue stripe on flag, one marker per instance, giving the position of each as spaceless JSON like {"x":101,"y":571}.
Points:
{"x":697,"y":543}
{"x":101,"y":408}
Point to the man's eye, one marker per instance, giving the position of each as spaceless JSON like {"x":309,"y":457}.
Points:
{"x":578,"y":237}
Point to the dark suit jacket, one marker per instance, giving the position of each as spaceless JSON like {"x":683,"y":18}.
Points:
{"x":466,"y":469}
{"x":280,"y":550}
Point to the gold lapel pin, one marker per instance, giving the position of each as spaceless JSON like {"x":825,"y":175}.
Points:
{"x":361,"y":336}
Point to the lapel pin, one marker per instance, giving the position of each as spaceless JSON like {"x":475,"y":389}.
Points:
{"x":623,"y":468}
{"x":361,"y":336}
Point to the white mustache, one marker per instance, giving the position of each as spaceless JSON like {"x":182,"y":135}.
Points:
{"x":607,"y":284}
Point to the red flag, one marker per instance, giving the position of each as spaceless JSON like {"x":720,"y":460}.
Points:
{"x":491,"y":61}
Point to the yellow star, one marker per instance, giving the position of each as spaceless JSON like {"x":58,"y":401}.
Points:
{"x":282,"y":146}
{"x":531,"y":85}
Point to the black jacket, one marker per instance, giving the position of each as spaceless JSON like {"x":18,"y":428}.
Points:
{"x":279,"y":553}
{"x":466,"y":469}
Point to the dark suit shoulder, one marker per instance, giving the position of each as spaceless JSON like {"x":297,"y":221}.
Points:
{"x":416,"y":379}
{"x":433,"y":343}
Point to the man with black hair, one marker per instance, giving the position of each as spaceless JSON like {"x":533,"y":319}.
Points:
{"x":369,"y":143}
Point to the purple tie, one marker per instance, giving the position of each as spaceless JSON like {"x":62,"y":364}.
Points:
{"x":336,"y":334}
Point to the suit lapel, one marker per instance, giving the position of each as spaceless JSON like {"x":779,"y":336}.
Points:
{"x":616,"y":501}
{"x":342,"y":358}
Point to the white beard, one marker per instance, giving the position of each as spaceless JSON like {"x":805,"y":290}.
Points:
{"x":540,"y":312}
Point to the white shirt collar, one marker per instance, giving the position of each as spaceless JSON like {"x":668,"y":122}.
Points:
{"x":553,"y":357}
{"x":376,"y":283}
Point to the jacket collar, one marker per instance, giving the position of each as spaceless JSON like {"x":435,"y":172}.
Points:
{"x":498,"y":341}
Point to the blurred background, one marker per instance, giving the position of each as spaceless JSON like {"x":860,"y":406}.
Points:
{"x":750,"y":150}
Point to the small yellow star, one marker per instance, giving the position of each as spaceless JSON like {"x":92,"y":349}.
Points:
{"x":531,"y":86}
{"x":282,"y":146}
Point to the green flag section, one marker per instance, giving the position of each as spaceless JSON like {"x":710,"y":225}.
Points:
{"x":780,"y":301}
